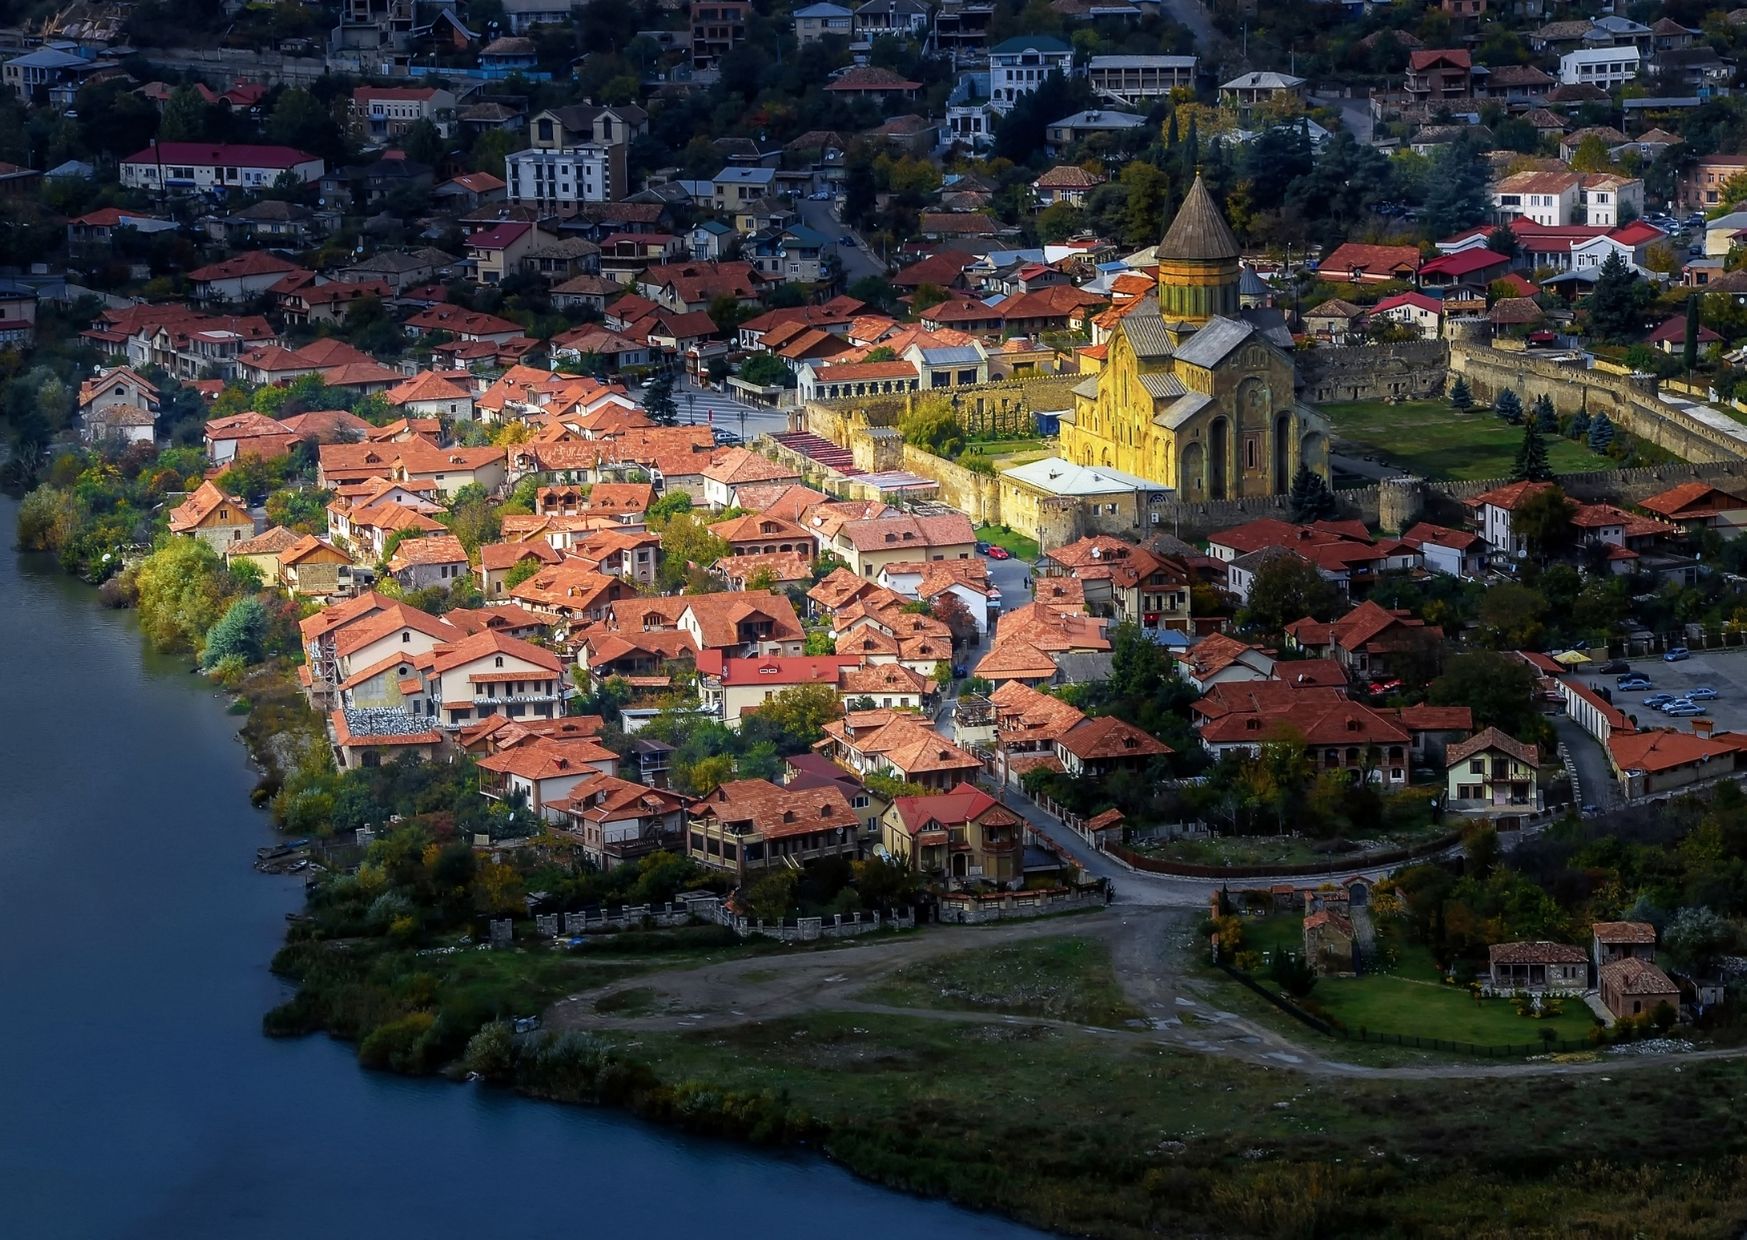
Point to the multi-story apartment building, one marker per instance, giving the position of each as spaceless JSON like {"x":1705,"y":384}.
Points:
{"x":718,"y":26}
{"x":1126,"y":79}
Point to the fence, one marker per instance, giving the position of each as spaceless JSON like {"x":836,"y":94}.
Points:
{"x":964,"y":909}
{"x":1413,"y":1041}
{"x":812,"y":929}
{"x":636,"y":916}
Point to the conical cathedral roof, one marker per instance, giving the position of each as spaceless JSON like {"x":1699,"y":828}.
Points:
{"x":1199,"y":233}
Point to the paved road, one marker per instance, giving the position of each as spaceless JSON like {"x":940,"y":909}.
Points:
{"x":857,"y":262}
{"x":1374,"y":470}
{"x":701,"y":405}
{"x":1355,"y":114}
{"x":1595,"y":777}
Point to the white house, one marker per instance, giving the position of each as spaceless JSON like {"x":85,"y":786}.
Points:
{"x":1605,"y":67}
{"x":1607,"y":197}
{"x":1019,"y":66}
{"x":209,"y":165}
{"x":1493,"y":514}
{"x":1549,"y":198}
{"x":389,"y":111}
{"x":1414,"y":309}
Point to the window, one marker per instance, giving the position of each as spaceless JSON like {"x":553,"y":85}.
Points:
{"x":1477,"y":766}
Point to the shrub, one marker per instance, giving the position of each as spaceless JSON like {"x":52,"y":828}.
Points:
{"x":403,"y":1045}
{"x":492,"y":1052}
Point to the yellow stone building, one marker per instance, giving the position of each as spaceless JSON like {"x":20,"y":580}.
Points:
{"x":1196,"y":392}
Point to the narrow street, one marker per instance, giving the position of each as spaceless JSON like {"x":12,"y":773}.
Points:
{"x":1595,"y":777}
{"x":857,"y":262}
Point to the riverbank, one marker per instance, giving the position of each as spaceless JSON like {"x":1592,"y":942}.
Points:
{"x":1115,"y":1132}
{"x":133,"y":938}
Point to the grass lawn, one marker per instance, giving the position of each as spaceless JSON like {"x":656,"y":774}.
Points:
{"x":1413,"y":1007}
{"x":1280,"y":932}
{"x":1432,"y":440}
{"x":1085,"y":1135}
{"x":1008,"y":447}
{"x":1060,"y":978}
{"x":1411,"y":1000}
{"x":1023,"y":548}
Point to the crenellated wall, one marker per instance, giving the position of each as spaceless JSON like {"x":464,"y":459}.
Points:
{"x":1628,"y":400}
{"x":1413,"y":370}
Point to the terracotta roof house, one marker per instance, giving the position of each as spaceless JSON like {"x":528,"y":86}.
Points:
{"x":1634,"y":987}
{"x":1620,"y":940}
{"x":1492,"y":770}
{"x":1661,"y":759}
{"x":1097,"y":747}
{"x":618,"y":822}
{"x":893,"y":743}
{"x":1538,"y":967}
{"x":961,"y":835}
{"x":1357,"y":263}
{"x":213,"y":517}
{"x":748,"y":825}
{"x":1696,"y":505}
{"x":737,"y":467}
{"x":872,"y":82}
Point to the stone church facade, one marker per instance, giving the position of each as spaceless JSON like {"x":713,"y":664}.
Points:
{"x":1196,"y":392}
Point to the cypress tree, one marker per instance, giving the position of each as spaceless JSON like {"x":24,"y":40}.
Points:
{"x":1531,"y":457}
{"x":1311,"y":499}
{"x":1510,"y":406}
{"x":1545,"y":418}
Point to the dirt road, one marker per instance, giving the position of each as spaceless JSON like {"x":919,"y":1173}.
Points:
{"x":1147,"y":948}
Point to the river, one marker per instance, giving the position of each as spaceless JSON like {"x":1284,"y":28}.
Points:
{"x":138,"y":1097}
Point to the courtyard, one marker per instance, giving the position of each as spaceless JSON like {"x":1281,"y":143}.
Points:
{"x":1429,"y":439}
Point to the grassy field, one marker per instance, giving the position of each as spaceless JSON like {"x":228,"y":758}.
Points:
{"x":1432,"y":440}
{"x":1411,"y":1000}
{"x":1060,"y":978}
{"x":1088,"y":1136}
{"x":1022,"y":547}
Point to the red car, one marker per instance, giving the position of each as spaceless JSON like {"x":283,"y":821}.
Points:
{"x":1000,"y":553}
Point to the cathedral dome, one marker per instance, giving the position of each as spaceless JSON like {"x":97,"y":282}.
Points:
{"x":1199,"y":233}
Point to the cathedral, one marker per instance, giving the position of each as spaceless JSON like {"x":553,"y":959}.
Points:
{"x":1195,"y":391}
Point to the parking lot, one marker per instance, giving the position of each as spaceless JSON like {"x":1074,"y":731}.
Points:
{"x":1723,"y":670}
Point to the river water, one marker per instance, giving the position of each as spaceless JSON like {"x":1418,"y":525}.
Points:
{"x":138,"y":1097}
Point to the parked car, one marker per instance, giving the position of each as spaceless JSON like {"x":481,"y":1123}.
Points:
{"x":1674,"y":703}
{"x":982,"y":547}
{"x":1683,"y":712}
{"x":1676,"y":654}
{"x":723,"y":435}
{"x":997,"y":552}
{"x":1702,"y":693}
{"x":1637,"y":680}
{"x":1659,"y":699}
{"x":1614,"y":667}
{"x":847,"y":241}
